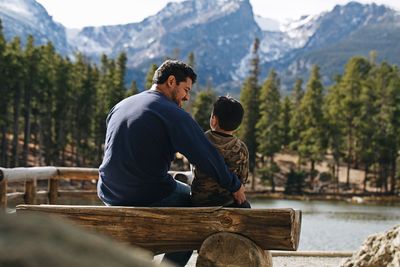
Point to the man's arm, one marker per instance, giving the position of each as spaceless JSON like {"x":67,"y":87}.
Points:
{"x":243,"y":172}
{"x":188,"y":138}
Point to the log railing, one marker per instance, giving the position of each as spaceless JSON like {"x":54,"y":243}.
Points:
{"x":53,"y":175}
{"x":31,"y":175}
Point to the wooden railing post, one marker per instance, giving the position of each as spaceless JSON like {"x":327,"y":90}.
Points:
{"x":3,"y":193}
{"x":30,"y":191}
{"x":53,"y":190}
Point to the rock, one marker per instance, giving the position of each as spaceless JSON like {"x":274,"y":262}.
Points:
{"x":378,"y":250}
{"x":33,"y":241}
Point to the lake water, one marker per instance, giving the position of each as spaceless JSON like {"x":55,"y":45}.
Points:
{"x":336,"y":226}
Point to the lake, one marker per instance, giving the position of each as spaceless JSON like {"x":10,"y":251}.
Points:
{"x":336,"y":225}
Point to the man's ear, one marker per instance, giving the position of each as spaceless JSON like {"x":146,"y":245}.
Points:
{"x":171,"y":80}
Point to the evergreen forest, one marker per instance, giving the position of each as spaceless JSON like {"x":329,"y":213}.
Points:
{"x":53,"y":111}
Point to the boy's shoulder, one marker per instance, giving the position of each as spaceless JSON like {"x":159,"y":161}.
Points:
{"x":227,"y":145}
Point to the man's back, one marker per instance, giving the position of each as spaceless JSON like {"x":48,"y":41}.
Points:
{"x":137,"y":151}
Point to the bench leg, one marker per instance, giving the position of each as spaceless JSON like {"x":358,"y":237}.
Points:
{"x":228,"y":249}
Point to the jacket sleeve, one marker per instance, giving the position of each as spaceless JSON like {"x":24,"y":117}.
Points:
{"x":244,"y":164}
{"x":188,"y":138}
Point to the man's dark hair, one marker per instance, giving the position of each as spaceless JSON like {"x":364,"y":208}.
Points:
{"x":229,"y":112}
{"x":176,"y":68}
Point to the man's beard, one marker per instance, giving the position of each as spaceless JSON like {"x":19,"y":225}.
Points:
{"x":174,"y":96}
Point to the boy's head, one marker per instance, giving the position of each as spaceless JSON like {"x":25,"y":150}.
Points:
{"x":229,"y":113}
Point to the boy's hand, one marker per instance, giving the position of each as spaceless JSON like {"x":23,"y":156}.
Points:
{"x":239,"y":195}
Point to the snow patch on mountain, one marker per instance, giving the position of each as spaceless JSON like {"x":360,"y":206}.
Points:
{"x":267,"y":24}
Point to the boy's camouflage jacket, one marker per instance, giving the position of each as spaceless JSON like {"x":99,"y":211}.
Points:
{"x":205,"y":190}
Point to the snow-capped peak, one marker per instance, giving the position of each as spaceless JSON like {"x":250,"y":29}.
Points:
{"x":267,"y":24}
{"x":22,"y":9}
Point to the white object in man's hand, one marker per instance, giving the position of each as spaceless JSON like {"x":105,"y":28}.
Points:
{"x":239,"y":195}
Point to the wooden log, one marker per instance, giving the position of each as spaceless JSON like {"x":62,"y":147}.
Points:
{"x":23,"y":174}
{"x":175,"y":229}
{"x":44,"y":173}
{"x":3,"y":194}
{"x":30,"y":192}
{"x":228,"y":249}
{"x":18,"y":198}
{"x":53,"y":191}
{"x":77,"y":173}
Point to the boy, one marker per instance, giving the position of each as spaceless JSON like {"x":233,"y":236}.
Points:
{"x":226,"y":117}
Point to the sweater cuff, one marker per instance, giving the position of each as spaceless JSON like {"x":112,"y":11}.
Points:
{"x":236,"y":184}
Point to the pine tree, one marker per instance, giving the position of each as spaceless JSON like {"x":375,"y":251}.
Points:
{"x":394,"y":125}
{"x":46,"y":104}
{"x":191,"y":60}
{"x":311,"y":138}
{"x":386,"y":82}
{"x":16,"y":74}
{"x":133,"y":89}
{"x":366,"y":134}
{"x":3,"y":101}
{"x":249,"y":98}
{"x":335,"y":128}
{"x":31,"y":81}
{"x":202,"y":108}
{"x":268,"y":132}
{"x":149,"y":76}
{"x":296,"y":117}
{"x":120,"y":89}
{"x":349,"y":109}
{"x":284,"y":121}
{"x":102,"y":107}
{"x":64,"y":111}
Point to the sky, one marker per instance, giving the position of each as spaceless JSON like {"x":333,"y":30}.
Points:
{"x":80,"y":13}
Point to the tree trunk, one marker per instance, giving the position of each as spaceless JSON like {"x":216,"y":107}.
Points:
{"x":393,"y":174}
{"x":365,"y":178}
{"x":15,"y":142}
{"x":349,"y":156}
{"x":4,"y":146}
{"x":27,"y":127}
{"x":272,"y":175}
{"x":312,"y":168}
{"x":253,"y":180}
{"x":335,"y":175}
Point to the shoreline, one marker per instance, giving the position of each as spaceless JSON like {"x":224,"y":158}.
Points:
{"x":366,"y":198}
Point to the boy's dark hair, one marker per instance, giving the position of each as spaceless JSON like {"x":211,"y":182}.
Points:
{"x":176,"y":68}
{"x":229,"y":112}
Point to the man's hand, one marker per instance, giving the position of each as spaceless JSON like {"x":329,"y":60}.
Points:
{"x":239,"y":195}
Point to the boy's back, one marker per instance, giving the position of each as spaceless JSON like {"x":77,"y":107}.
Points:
{"x":205,"y":191}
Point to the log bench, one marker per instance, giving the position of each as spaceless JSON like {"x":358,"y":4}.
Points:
{"x":222,"y":235}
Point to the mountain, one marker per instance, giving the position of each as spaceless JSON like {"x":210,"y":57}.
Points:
{"x":330,"y":39}
{"x":27,"y":17}
{"x":221,"y":33}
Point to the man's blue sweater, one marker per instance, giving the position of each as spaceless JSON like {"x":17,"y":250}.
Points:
{"x":144,"y":132}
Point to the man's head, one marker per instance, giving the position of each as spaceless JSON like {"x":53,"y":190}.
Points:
{"x":227,"y":113}
{"x":175,"y":79}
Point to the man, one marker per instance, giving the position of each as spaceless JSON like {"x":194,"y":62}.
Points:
{"x":144,"y":132}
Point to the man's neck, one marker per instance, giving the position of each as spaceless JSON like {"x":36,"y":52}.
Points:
{"x":161,"y":88}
